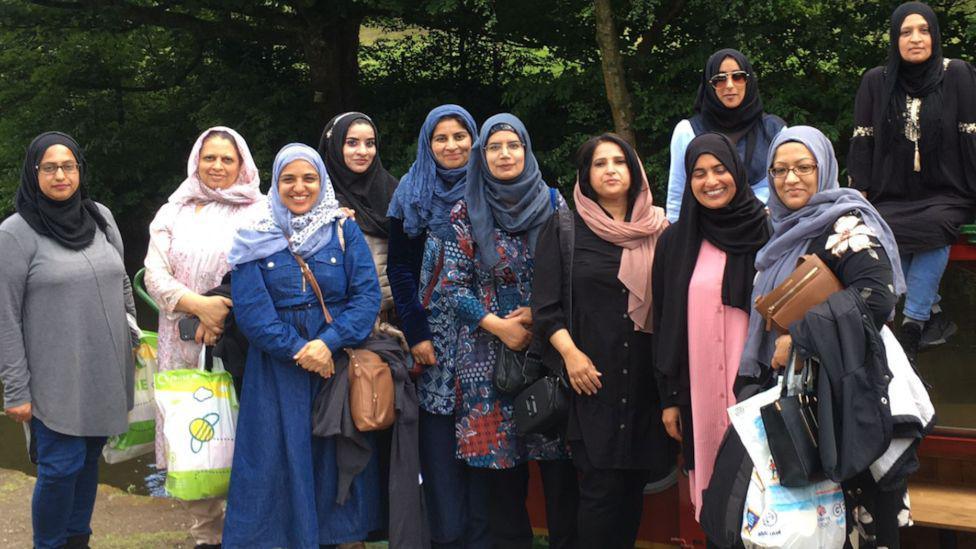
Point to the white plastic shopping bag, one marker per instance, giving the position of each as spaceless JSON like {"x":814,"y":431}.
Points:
{"x":199,"y":411}
{"x":141,"y":437}
{"x":811,"y":517}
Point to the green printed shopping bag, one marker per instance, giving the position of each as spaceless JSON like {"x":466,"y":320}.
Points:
{"x":199,"y":411}
{"x":141,"y":436}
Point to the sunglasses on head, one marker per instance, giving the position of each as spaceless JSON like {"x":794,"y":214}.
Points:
{"x":720,"y":78}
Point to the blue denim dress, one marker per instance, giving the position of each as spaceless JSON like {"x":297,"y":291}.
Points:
{"x":283,"y":480}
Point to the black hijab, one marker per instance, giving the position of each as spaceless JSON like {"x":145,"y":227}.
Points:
{"x":742,"y":121}
{"x":913,"y":79}
{"x":367,"y":193}
{"x":71,"y":222}
{"x":739,"y":229}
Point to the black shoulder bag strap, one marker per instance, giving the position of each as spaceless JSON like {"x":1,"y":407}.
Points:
{"x":567,"y":243}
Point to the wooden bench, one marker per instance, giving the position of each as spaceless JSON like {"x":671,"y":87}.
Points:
{"x":946,"y":497}
{"x":943,"y":507}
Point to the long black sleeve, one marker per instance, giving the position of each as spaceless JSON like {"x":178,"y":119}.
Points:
{"x":965,"y":80}
{"x":860,"y":156}
{"x":404,"y":259}
{"x":869,"y":270}
{"x":672,"y":379}
{"x":548,"y":316}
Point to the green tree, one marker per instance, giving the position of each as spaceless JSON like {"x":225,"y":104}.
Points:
{"x":137,"y":80}
{"x":326,"y":32}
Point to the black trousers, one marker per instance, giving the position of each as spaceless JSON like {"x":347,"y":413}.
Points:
{"x":610,"y":505}
{"x":508,"y":516}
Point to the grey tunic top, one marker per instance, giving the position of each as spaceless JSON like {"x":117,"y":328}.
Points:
{"x":65,"y":342}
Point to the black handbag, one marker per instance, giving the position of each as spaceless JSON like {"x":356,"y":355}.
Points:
{"x":515,"y":370}
{"x":792,"y":429}
{"x":543,"y":406}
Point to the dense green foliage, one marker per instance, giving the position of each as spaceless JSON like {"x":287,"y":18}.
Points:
{"x":136,"y":87}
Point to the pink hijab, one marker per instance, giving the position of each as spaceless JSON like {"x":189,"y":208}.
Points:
{"x":637,"y":237}
{"x":244,"y":191}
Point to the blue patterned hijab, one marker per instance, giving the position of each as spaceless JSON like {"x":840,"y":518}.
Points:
{"x":519,"y":205}
{"x":793,"y":230}
{"x":278,"y":228}
{"x":427,"y":192}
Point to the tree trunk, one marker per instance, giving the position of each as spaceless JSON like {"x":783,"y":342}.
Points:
{"x":621,"y":105}
{"x":331,"y":47}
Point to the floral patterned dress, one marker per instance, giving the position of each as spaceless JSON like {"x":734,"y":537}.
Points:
{"x":485,"y":428}
{"x":187,"y":253}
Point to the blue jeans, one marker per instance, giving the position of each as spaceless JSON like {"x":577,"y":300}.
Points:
{"x":923,"y":273}
{"x":457,"y":500}
{"x":67,"y":479}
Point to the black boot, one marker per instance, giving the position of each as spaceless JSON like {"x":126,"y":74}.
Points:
{"x":78,"y":542}
{"x":207,"y":546}
{"x":938,"y":329}
{"x":910,"y":337}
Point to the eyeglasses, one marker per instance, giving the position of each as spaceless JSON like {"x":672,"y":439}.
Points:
{"x":512,"y":146}
{"x":721,"y":78}
{"x":50,"y":168}
{"x":779,"y":173}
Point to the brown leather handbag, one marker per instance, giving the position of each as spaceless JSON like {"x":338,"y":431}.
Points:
{"x":371,"y":399}
{"x":806,"y":287}
{"x":370,"y":391}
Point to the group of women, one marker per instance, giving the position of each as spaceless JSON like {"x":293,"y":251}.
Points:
{"x":647,"y":314}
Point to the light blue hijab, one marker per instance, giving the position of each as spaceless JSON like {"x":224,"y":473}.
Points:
{"x":793,"y":230}
{"x":278,"y":228}
{"x":427,"y":192}
{"x":520,"y":205}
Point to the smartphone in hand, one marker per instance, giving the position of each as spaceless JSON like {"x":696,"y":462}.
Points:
{"x":188,"y":327}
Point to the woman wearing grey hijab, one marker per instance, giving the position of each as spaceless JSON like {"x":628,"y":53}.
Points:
{"x":806,"y":209}
{"x":810,"y":214}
